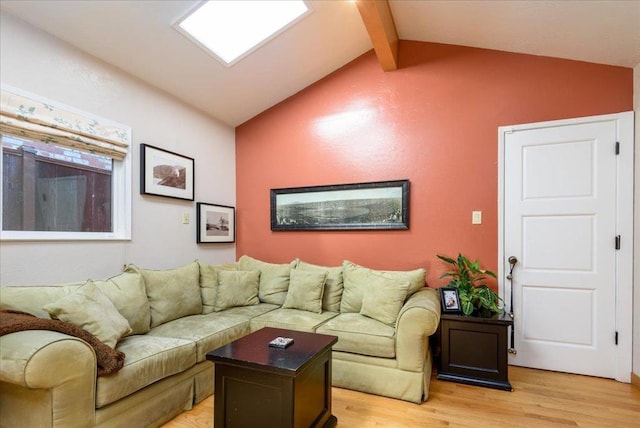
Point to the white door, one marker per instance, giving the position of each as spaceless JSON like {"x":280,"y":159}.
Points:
{"x":560,"y":220}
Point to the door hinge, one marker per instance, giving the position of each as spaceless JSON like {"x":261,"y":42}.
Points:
{"x":616,"y":337}
{"x":617,"y":242}
{"x":617,"y":147}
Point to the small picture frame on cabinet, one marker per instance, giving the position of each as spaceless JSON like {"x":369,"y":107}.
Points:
{"x":450,"y":300}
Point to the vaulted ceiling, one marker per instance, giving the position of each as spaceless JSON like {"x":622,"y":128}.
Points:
{"x":137,"y":37}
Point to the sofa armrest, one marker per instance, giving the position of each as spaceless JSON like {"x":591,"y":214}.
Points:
{"x":418,"y":319}
{"x":47,"y":378}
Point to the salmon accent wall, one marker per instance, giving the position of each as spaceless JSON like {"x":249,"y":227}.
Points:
{"x":433,"y":121}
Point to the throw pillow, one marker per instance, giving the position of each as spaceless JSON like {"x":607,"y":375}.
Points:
{"x":237,"y":288}
{"x":172,"y":293}
{"x":33,"y":298}
{"x":127,"y":293}
{"x":332,"y":287}
{"x":383,"y":298}
{"x":355,"y":282}
{"x":209,"y":284}
{"x":91,"y":310}
{"x":305,"y":291}
{"x":274,"y":278}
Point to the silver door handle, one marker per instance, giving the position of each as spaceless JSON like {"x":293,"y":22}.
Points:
{"x":512,"y":263}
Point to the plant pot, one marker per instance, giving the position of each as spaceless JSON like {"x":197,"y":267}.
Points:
{"x":484,"y":313}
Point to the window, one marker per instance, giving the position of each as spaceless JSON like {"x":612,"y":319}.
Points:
{"x":54,"y":189}
{"x":56,"y":184}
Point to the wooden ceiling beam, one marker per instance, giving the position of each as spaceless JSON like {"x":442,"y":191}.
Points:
{"x":377,"y":18}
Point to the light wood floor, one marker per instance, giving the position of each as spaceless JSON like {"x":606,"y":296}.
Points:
{"x":539,"y":399}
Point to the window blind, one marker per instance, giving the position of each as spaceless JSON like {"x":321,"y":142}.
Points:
{"x":26,"y":117}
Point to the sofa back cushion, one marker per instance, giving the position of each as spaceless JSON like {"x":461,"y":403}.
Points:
{"x":172,"y":293}
{"x":127,"y":293}
{"x":332,"y":287}
{"x":383,"y":298}
{"x":90,"y":309}
{"x":237,"y":288}
{"x":32,"y":298}
{"x":274,"y":278}
{"x":209,"y":283}
{"x":305,"y":291}
{"x":356,"y":280}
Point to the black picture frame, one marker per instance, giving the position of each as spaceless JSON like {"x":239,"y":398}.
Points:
{"x":450,"y":300}
{"x":165,"y":173}
{"x":216,"y":223}
{"x":380,"y":205}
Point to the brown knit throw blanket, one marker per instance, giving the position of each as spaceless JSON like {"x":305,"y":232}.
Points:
{"x":109,"y":360}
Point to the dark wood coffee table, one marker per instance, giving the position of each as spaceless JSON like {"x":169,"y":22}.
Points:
{"x":259,"y":386}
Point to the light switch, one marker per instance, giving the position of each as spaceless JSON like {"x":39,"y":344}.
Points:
{"x":476,"y":217}
{"x":185,"y":218}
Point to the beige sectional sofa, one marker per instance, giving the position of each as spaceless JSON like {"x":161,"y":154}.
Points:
{"x":172,"y":318}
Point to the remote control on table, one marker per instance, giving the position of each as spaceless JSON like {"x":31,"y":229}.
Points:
{"x":281,"y":342}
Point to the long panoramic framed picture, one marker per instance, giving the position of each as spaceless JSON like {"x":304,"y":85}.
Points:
{"x":216,"y":223}
{"x":361,"y":206}
{"x":165,"y":173}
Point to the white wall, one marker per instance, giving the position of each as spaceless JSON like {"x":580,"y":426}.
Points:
{"x":636,"y":257}
{"x":39,"y":63}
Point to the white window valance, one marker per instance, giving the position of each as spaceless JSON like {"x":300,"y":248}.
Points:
{"x":24,"y":116}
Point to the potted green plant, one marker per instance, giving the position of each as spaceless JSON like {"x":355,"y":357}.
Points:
{"x":473,"y":338}
{"x":476,"y":298}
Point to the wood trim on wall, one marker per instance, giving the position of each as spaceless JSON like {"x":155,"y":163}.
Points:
{"x":635,"y":380}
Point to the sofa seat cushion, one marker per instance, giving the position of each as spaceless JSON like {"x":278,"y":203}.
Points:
{"x":249,"y":312}
{"x":367,"y":360}
{"x":149,"y":359}
{"x":292,"y":319}
{"x":208,"y":331}
{"x":361,"y":335}
{"x":213,"y":330}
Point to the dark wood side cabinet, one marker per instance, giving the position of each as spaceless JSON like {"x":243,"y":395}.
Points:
{"x":474,"y":350}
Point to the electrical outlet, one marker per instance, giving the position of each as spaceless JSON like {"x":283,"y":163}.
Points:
{"x":185,"y":218}
{"x":476,"y":217}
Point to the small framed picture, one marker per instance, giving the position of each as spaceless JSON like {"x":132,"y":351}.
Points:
{"x":450,"y":300}
{"x":164,"y":173}
{"x":216,"y":223}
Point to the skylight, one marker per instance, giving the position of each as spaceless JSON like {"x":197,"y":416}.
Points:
{"x":231,"y":29}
